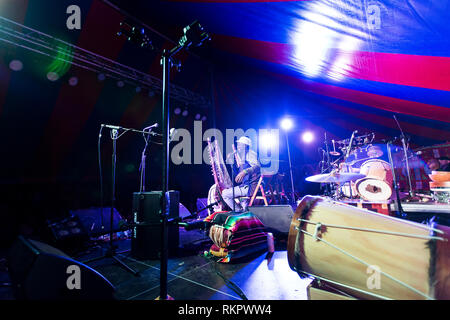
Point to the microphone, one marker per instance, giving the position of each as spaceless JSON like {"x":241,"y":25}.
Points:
{"x":111,"y":127}
{"x":152,"y":127}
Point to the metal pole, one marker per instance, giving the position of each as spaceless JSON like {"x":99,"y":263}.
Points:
{"x":290,"y":168}
{"x":165,"y":174}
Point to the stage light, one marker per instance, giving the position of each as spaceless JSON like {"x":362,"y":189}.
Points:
{"x":101,"y":77}
{"x":52,"y":76}
{"x":204,"y":118}
{"x":194,"y":35}
{"x":16,"y":65}
{"x":73,"y":81}
{"x":138,"y":89}
{"x":120,"y":84}
{"x":287,"y":124}
{"x":151,"y":93}
{"x":185,"y":113}
{"x":268,"y":140}
{"x":198,"y":116}
{"x":177,"y":111}
{"x":308,"y":137}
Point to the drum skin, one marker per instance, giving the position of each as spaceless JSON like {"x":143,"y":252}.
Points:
{"x":420,"y":263}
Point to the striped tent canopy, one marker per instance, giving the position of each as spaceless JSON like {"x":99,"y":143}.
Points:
{"x":359,"y":62}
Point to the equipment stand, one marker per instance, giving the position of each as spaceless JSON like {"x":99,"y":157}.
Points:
{"x":401,"y":213}
{"x":111,"y":251}
{"x":290,"y":169}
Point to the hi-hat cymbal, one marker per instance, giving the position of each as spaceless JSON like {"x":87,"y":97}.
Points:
{"x":335,"y":177}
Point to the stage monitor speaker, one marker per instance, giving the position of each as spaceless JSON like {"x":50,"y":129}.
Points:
{"x":146,"y":239}
{"x":277,"y":219}
{"x":41,"y":272}
{"x":96,"y":221}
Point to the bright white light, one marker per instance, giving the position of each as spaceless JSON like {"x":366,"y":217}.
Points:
{"x":287,"y":124}
{"x":312,"y":44}
{"x":268,"y":140}
{"x":52,"y":76}
{"x":16,"y":65}
{"x":308,"y":137}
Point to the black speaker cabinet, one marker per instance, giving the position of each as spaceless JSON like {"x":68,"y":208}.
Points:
{"x":41,"y":272}
{"x":146,"y":239}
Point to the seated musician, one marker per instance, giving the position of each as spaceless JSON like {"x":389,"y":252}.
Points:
{"x":439,"y":164}
{"x":246,"y":176}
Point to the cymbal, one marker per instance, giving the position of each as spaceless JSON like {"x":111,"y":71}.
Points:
{"x":375,"y":152}
{"x":335,"y":177}
{"x":335,"y":153}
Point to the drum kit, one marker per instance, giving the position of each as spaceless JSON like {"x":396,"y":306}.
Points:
{"x":357,"y":171}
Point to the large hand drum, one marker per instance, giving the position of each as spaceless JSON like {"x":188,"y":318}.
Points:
{"x":369,"y":255}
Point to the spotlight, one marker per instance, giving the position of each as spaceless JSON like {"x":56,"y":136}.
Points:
{"x":120,"y":84}
{"x":101,"y":77}
{"x":73,"y":81}
{"x":194,"y":35}
{"x":204,"y":118}
{"x":151,"y":94}
{"x":185,"y":113}
{"x":177,"y":111}
{"x":287,"y":124}
{"x":198,"y":116}
{"x":52,"y":76}
{"x":138,"y":89}
{"x":308,"y":137}
{"x":16,"y":65}
{"x":268,"y":140}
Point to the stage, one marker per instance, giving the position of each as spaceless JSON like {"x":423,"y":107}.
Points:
{"x":193,"y":277}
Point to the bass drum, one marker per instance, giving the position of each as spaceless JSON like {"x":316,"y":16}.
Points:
{"x":369,"y":255}
{"x":377,"y":185}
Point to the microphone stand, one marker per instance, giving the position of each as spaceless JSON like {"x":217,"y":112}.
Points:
{"x":347,"y":154}
{"x":405,"y":150}
{"x":328,"y":186}
{"x":143,"y":163}
{"x":111,"y":251}
{"x":401,"y":213}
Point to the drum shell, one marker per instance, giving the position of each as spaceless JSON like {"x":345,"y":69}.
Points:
{"x":377,"y":169}
{"x":420,"y":263}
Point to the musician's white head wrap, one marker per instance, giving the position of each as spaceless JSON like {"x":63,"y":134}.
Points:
{"x":246,"y":141}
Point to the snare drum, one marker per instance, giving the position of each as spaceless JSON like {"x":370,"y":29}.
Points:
{"x":369,"y":255}
{"x":377,"y":185}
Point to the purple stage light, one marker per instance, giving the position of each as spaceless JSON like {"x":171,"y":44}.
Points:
{"x":308,"y":137}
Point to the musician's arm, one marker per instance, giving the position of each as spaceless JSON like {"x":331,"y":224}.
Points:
{"x":255,"y":166}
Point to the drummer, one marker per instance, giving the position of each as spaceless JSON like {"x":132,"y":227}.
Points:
{"x":439,"y":164}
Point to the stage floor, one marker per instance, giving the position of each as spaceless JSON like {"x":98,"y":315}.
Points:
{"x":193,"y":277}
